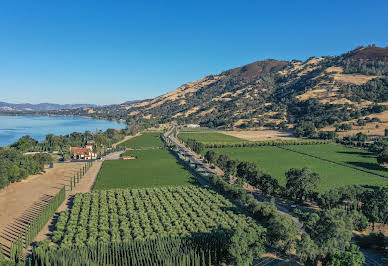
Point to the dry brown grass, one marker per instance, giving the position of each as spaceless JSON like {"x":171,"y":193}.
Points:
{"x":334,"y":69}
{"x":317,"y":93}
{"x":257,"y":135}
{"x":193,"y":110}
{"x":379,"y":227}
{"x":203,"y":113}
{"x":369,"y":129}
{"x":183,"y":91}
{"x":19,"y":202}
{"x":353,"y":78}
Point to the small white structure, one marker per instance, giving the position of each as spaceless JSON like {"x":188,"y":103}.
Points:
{"x":192,"y":126}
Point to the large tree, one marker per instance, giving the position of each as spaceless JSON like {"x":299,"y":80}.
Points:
{"x":211,"y":156}
{"x":247,"y":171}
{"x":329,"y":229}
{"x":351,"y":256}
{"x":301,"y":183}
{"x":25,"y":143}
{"x":282,"y":232}
{"x":307,"y":251}
{"x":383,"y":157}
{"x":243,"y":245}
{"x":375,"y":205}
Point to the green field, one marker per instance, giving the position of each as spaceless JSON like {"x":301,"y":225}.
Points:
{"x":151,"y":168}
{"x":211,"y":138}
{"x":276,"y":161}
{"x":146,"y":140}
{"x":356,"y":158}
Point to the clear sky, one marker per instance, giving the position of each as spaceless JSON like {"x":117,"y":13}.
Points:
{"x":107,"y":52}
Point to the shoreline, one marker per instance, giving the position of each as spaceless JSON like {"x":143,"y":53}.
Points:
{"x":56,"y":115}
{"x":73,"y":123}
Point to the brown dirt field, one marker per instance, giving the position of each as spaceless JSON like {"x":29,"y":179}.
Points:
{"x":260,"y":135}
{"x":20,"y":202}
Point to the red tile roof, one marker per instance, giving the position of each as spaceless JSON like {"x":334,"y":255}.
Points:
{"x":81,"y":150}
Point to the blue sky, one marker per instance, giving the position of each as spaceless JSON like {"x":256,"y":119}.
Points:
{"x":111,"y":51}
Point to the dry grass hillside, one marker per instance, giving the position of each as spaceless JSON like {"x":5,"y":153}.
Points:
{"x":273,"y":94}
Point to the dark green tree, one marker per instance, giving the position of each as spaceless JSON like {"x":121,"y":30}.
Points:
{"x":375,"y":205}
{"x":329,"y":229}
{"x":243,"y":245}
{"x":307,"y":251}
{"x":360,"y":222}
{"x":301,"y":183}
{"x":282,"y":232}
{"x":351,"y":256}
{"x":383,"y":157}
{"x":211,"y":156}
{"x":25,"y":143}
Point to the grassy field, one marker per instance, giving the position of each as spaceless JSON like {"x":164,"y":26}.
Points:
{"x":151,"y":168}
{"x":212,"y":138}
{"x":146,"y":140}
{"x":276,"y":161}
{"x":357,"y":158}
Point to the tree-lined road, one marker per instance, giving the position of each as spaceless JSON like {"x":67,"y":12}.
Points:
{"x":260,"y":197}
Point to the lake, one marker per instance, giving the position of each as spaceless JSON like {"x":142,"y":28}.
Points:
{"x":14,"y":127}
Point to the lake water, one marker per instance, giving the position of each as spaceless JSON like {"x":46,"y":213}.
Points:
{"x":14,"y":127}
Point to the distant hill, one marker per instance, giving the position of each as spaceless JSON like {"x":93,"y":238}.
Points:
{"x":314,"y":94}
{"x":14,"y":107}
{"x":134,"y":101}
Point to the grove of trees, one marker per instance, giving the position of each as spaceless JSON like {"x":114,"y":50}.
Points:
{"x":14,"y":166}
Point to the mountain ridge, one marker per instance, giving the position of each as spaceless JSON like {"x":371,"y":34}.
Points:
{"x":4,"y":106}
{"x":315,"y":93}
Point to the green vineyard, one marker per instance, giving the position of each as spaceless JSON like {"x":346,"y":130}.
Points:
{"x":184,"y":225}
{"x":201,"y":250}
{"x":123,"y":215}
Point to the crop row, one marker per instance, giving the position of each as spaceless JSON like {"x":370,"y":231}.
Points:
{"x":203,"y":250}
{"x":122,"y":215}
{"x":40,"y":220}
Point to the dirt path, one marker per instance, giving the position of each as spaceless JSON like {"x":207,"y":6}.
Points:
{"x":125,"y":139}
{"x":20,"y":202}
{"x":85,"y":185}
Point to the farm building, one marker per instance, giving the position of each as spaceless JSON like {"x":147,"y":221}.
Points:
{"x":83,"y":153}
{"x":192,"y":125}
{"x":128,"y":157}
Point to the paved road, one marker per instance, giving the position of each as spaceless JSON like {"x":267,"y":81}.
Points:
{"x":201,"y":164}
{"x":372,"y":258}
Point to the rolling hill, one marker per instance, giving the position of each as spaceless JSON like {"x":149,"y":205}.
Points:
{"x":318,"y":92}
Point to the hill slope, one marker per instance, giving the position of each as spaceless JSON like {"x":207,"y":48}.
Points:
{"x":318,"y":92}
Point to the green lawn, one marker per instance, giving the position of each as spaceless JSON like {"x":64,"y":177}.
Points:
{"x":151,"y":168}
{"x":276,"y":161}
{"x":211,"y":138}
{"x":351,"y":157}
{"x":146,"y":140}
